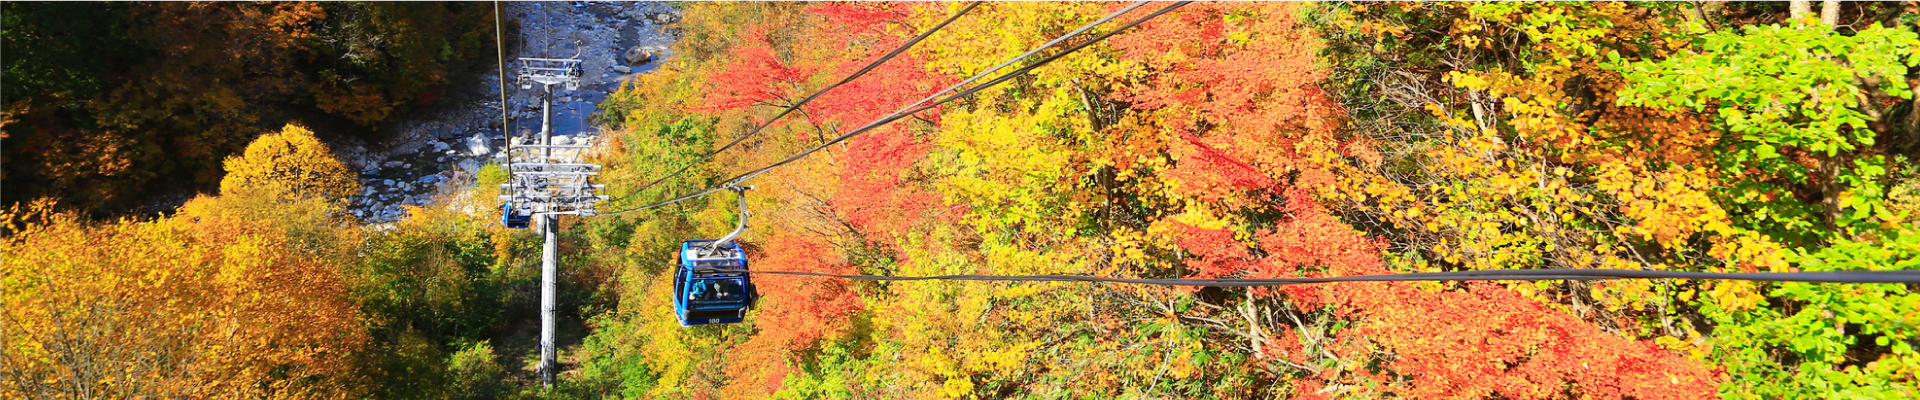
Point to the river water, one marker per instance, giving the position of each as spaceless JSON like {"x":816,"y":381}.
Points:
{"x":432,"y":154}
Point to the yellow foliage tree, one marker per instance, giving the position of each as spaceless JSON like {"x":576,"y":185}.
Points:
{"x":167,"y":309}
{"x":292,"y":159}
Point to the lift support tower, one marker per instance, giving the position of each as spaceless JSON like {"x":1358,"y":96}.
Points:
{"x":546,"y":180}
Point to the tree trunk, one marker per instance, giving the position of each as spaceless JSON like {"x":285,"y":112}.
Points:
{"x":1830,"y":13}
{"x":1799,"y":9}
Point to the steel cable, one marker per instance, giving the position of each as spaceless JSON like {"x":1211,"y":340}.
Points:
{"x":795,"y":106}
{"x":918,"y":107}
{"x":1901,"y":276}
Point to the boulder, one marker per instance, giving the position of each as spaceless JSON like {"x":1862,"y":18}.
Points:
{"x":471,"y":166}
{"x":637,"y":56}
{"x":479,"y":145}
{"x":440,"y":146}
{"x":622,"y":69}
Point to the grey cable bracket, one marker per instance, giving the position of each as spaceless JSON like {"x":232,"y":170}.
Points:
{"x":739,"y":228}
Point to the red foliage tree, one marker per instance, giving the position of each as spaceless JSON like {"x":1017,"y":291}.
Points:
{"x":756,"y":75}
{"x":1237,"y":87}
{"x":874,"y":196}
{"x":796,"y":311}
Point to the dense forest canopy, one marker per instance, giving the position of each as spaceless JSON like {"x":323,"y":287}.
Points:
{"x":108,"y":104}
{"x":1221,"y":140}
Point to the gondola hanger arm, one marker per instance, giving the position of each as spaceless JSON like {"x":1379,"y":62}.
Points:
{"x":741,"y":227}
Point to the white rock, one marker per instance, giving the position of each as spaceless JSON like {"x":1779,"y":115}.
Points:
{"x":440,"y":147}
{"x":471,"y":166}
{"x":479,"y":145}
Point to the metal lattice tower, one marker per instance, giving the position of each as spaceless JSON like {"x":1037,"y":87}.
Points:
{"x":550,"y":71}
{"x":546,"y":180}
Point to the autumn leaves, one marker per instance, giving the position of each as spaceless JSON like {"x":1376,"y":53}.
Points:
{"x":1261,"y":140}
{"x":1221,"y":140}
{"x":235,"y":295}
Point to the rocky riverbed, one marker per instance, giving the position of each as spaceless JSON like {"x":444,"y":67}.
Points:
{"x":434,"y":153}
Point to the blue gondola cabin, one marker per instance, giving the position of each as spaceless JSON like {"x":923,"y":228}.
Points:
{"x":512,"y":219}
{"x":704,"y":291}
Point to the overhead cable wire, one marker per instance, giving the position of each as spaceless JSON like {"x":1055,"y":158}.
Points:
{"x":1900,"y":276}
{"x":996,"y":81}
{"x":1031,"y":52}
{"x":922,"y":106}
{"x":500,"y":48}
{"x":796,"y":105}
